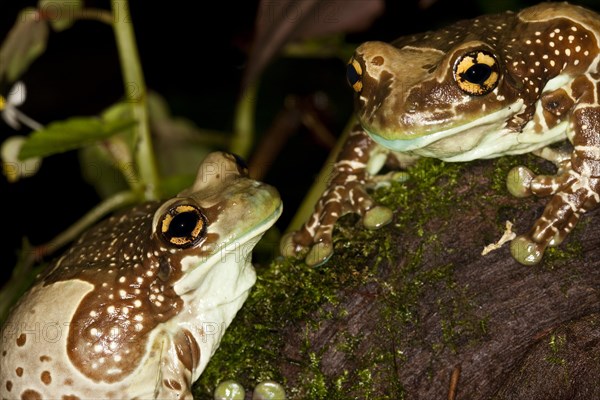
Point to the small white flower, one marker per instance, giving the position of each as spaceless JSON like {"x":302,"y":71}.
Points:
{"x":11,"y":114}
{"x":12,"y":167}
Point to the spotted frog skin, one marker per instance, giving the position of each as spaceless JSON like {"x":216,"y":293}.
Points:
{"x":492,"y":86}
{"x":136,"y":308}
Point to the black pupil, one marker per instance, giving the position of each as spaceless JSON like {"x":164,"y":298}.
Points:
{"x":478,"y":73}
{"x":183,"y":224}
{"x":351,"y":75}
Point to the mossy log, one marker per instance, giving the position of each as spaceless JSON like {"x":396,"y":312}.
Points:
{"x":413,"y":310}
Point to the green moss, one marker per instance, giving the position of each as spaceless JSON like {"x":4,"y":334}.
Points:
{"x":555,"y":257}
{"x":286,"y":291}
{"x":429,"y":179}
{"x":458,"y":322}
{"x":290,"y":295}
{"x":556,"y":346}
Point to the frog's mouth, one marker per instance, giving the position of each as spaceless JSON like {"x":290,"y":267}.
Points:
{"x":406,"y":141}
{"x":485,"y":137}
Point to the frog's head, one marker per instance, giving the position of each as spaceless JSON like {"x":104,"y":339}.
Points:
{"x":460,"y":81}
{"x":214,"y":225}
{"x":404,"y":95}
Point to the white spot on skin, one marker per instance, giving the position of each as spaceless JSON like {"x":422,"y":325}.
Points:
{"x":139,"y":327}
{"x":110,"y":309}
{"x":137,"y":303}
{"x":567,"y":52}
{"x":98,"y":348}
{"x":94,"y":332}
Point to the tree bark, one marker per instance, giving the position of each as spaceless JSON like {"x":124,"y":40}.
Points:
{"x":416,"y":303}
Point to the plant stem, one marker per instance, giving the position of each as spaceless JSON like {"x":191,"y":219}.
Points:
{"x":109,"y":205}
{"x":94,"y":14}
{"x":135,"y":92}
{"x":243,"y":124}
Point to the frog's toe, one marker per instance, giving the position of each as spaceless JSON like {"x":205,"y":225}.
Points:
{"x":268,"y":390}
{"x":229,"y":390}
{"x":377,"y":217}
{"x":288,"y":247}
{"x":315,"y":250}
{"x":319,"y":253}
{"x":518,"y":181}
{"x":526,"y":251}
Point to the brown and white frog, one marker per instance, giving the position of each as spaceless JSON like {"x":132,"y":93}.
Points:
{"x":497,"y":85}
{"x":137,"y":306}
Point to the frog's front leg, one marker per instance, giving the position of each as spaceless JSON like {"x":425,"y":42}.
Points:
{"x":575,"y":189}
{"x":177,"y":355}
{"x":358,"y":162}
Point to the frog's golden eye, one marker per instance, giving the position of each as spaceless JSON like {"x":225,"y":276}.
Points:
{"x":354,"y":75}
{"x":477,"y":72}
{"x":183,"y":225}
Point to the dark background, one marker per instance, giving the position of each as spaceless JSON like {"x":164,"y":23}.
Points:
{"x":194,"y":54}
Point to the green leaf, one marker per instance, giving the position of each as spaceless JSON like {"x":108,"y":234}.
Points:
{"x":70,"y":134}
{"x":25,"y":42}
{"x":60,"y":13}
